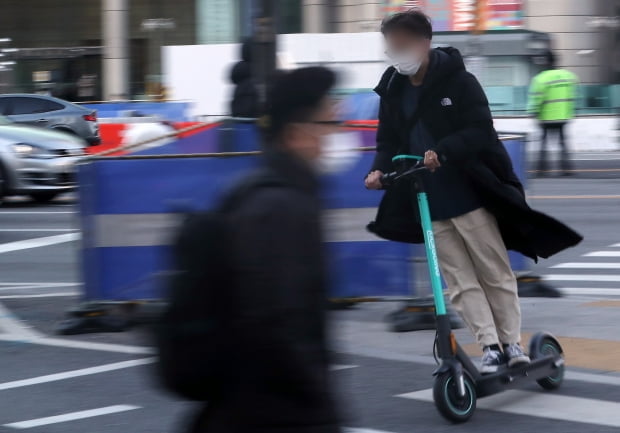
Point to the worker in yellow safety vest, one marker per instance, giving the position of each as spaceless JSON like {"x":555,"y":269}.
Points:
{"x":552,"y":100}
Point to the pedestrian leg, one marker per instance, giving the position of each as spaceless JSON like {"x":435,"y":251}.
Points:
{"x":488,"y":253}
{"x":542,"y":156}
{"x":564,"y":156}
{"x":466,"y":294}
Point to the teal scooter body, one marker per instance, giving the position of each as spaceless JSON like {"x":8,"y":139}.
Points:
{"x":458,"y":383}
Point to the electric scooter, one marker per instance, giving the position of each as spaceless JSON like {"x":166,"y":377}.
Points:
{"x":458,"y":383}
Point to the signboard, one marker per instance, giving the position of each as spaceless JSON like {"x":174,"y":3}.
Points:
{"x":462,"y":15}
{"x":504,"y":14}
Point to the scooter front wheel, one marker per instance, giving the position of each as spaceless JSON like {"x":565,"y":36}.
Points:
{"x":447,"y":400}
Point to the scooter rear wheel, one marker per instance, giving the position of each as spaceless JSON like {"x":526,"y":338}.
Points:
{"x":545,"y":347}
{"x":447,"y":400}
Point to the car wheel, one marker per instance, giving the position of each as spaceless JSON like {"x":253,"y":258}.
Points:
{"x":43,"y":197}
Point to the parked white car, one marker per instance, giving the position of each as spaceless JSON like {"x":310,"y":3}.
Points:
{"x":37,"y":162}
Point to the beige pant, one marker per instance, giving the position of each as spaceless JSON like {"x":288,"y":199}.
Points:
{"x":483,"y":289}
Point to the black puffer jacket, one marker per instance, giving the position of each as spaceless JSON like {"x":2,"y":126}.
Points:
{"x":281,"y":363}
{"x":456,"y":113}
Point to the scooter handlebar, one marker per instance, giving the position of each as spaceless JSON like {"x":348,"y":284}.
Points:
{"x":389,"y":179}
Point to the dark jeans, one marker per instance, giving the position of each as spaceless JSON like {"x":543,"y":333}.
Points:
{"x":558,"y":128}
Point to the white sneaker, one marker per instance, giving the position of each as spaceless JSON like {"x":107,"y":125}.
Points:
{"x":516,"y":355}
{"x":491,"y":360}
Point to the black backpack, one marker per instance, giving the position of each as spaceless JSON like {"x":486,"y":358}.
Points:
{"x":195,"y":334}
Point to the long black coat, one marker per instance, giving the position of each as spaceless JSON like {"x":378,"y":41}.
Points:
{"x":456,"y":113}
{"x":280,"y":368}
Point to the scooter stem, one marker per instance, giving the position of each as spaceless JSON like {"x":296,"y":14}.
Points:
{"x":431,"y":254}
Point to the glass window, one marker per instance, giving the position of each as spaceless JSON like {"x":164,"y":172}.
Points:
{"x":289,"y":16}
{"x":25,"y":105}
{"x":4,"y":106}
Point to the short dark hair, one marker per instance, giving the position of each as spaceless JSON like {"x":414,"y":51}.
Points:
{"x":296,"y":95}
{"x":413,"y":21}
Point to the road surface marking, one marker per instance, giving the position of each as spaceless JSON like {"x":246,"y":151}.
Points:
{"x":584,"y":265}
{"x":74,"y":344}
{"x":603,"y":254}
{"x":76,"y":373}
{"x":10,"y":212}
{"x":543,"y":405}
{"x":615,"y":246}
{"x":41,"y":295}
{"x":38,"y":242}
{"x":362,"y":430}
{"x":573,"y":197}
{"x":605,"y":379}
{"x":337,"y":367}
{"x":26,"y":286}
{"x":10,"y":324}
{"x":72,"y":416}
{"x":38,"y":230}
{"x":581,"y":277}
{"x":593,"y":291}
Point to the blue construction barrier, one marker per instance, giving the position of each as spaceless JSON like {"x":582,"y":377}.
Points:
{"x":131,"y":206}
{"x":172,"y":111}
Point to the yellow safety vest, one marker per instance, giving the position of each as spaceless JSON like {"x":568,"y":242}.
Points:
{"x":552,"y":95}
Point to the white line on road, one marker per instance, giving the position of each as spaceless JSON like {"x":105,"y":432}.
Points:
{"x":74,"y":344}
{"x":17,"y":286}
{"x":584,"y":265}
{"x":10,"y":212}
{"x":38,"y":242}
{"x":76,"y":373}
{"x":41,"y":295}
{"x":603,"y":254}
{"x":589,"y":291}
{"x":615,"y":246}
{"x":362,"y":430}
{"x":38,"y":230}
{"x":73,"y":416}
{"x":544,"y":405}
{"x":337,"y":367}
{"x":582,"y":277}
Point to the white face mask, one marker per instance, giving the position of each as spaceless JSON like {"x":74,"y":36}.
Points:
{"x":338,"y":152}
{"x":407,"y":64}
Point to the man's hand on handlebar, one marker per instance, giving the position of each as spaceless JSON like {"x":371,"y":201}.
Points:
{"x":373,"y":180}
{"x":431,"y":160}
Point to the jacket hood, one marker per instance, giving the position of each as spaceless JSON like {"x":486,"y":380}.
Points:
{"x":240,"y":72}
{"x":444,"y":62}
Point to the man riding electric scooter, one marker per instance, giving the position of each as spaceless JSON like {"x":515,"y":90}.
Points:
{"x":430,"y":105}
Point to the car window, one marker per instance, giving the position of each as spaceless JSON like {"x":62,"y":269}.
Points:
{"x":26,"y":105}
{"x":4,"y":106}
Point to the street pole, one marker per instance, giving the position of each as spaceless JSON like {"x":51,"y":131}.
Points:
{"x":115,"y":17}
{"x":264,"y":47}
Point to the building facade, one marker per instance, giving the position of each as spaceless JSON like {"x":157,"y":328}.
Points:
{"x":60,"y":42}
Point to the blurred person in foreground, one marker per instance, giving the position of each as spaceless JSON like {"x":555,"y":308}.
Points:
{"x":552,"y":97}
{"x":279,"y":371}
{"x":431,"y":106}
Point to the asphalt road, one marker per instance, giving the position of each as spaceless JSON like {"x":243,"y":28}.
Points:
{"x":103,"y":383}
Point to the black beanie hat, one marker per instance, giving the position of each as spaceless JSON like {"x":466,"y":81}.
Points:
{"x":295,"y":94}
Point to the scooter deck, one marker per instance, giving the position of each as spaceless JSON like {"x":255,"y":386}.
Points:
{"x":505,"y":377}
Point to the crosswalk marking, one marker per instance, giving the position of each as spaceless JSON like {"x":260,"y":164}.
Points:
{"x":543,"y":405}
{"x":38,"y":422}
{"x":590,"y":291}
{"x":603,"y":254}
{"x":615,"y":246}
{"x":585,"y":265}
{"x":582,"y":277}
